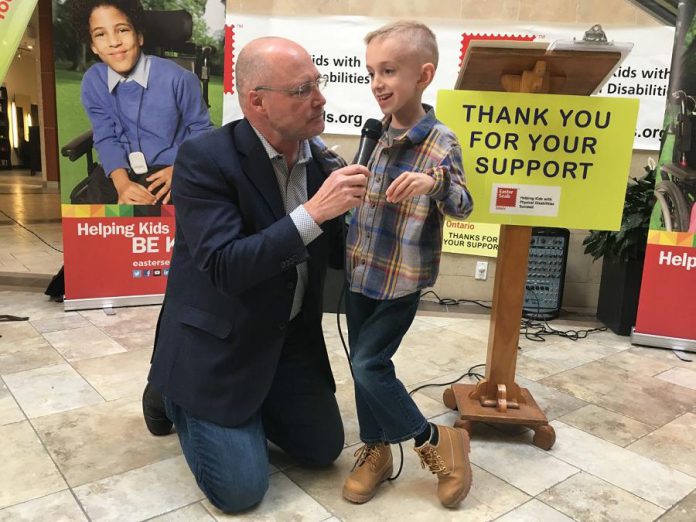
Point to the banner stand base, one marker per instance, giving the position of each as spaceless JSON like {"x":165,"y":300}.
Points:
{"x":70,"y":305}
{"x":660,"y":341}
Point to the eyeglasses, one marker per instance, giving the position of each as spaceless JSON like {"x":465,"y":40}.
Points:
{"x":301,"y":91}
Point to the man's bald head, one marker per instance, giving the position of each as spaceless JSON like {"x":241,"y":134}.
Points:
{"x":278,"y":112}
{"x":258,"y":62}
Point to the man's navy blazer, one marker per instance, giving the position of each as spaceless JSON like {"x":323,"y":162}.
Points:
{"x":233,"y":277}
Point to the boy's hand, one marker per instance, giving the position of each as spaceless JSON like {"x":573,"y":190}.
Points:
{"x":129,"y":192}
{"x":161,"y":182}
{"x":408,"y":185}
{"x":134,"y":194}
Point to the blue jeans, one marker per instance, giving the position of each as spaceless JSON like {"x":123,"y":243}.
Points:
{"x":300,"y":415}
{"x":386,"y":412}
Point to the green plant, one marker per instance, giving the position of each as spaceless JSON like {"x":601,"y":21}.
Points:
{"x":629,"y":242}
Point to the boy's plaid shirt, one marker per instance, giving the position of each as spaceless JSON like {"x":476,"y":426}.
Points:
{"x":393,"y":250}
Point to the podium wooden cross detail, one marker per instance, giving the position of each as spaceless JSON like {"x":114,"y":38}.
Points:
{"x":525,"y":67}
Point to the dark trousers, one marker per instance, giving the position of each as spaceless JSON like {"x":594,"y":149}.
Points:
{"x":386,"y":412}
{"x":300,"y":415}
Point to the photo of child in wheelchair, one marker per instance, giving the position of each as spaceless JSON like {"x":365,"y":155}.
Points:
{"x":676,"y":192}
{"x":141,"y":106}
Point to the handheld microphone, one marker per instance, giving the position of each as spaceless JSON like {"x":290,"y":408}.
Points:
{"x":371,"y":132}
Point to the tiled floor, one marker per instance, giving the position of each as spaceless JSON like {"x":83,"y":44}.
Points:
{"x":74,"y":446}
{"x":23,"y":199}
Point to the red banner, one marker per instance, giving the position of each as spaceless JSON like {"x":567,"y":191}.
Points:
{"x":116,"y":256}
{"x":668,"y":287}
{"x":666,"y":293}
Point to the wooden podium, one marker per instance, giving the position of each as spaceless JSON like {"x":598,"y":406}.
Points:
{"x":527,"y":68}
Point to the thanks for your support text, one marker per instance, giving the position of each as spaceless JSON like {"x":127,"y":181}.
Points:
{"x":535,"y":141}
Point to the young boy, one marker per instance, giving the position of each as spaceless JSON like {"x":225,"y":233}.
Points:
{"x":141,"y":107}
{"x":393,"y":251}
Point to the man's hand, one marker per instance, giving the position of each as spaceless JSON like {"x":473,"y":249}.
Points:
{"x":343,"y":189}
{"x":408,"y":185}
{"x":161,"y":184}
{"x":129,"y":192}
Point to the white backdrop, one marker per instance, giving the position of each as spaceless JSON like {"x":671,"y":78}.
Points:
{"x":336,"y":45}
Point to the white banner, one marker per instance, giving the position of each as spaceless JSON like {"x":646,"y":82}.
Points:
{"x":644,"y":74}
{"x":338,"y":50}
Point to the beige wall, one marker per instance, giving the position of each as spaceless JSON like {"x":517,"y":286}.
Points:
{"x":605,"y":12}
{"x":457,"y":271}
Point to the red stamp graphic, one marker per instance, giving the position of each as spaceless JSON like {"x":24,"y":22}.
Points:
{"x":506,"y":197}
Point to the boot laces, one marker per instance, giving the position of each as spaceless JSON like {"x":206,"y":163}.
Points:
{"x":367,"y":453}
{"x":430,"y":458}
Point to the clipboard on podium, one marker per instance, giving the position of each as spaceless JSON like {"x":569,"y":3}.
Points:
{"x":564,"y":67}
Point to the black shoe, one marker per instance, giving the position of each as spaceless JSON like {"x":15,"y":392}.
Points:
{"x":154,"y":413}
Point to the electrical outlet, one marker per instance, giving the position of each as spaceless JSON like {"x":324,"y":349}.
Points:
{"x":481,"y":270}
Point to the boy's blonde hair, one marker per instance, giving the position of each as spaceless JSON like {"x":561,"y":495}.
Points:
{"x":415,"y":35}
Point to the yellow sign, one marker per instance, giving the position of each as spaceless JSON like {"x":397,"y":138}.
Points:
{"x":543,"y":159}
{"x":465,"y":237}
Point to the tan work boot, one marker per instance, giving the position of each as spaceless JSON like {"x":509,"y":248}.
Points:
{"x":449,"y":460}
{"x":374,"y":466}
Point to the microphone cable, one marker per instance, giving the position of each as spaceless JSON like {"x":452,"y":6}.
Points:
{"x":350,"y":367}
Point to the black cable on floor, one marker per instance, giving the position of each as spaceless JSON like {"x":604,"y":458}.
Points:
{"x":534,"y":329}
{"x":6,"y":318}
{"x":447,"y":301}
{"x":401,"y":464}
{"x":469,"y":373}
{"x":682,"y":356}
{"x":30,"y":231}
{"x":340,"y":330}
{"x":537,"y":331}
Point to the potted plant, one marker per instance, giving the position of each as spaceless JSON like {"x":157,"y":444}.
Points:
{"x":623,"y":252}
